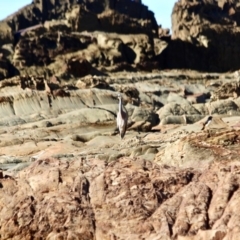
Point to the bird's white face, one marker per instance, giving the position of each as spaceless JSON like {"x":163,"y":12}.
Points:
{"x":119,"y":96}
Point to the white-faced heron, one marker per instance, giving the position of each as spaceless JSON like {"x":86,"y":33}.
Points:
{"x":122,"y":118}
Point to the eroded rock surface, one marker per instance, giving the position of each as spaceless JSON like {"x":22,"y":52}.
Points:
{"x":65,"y":172}
{"x":42,"y":109}
{"x":129,"y":198}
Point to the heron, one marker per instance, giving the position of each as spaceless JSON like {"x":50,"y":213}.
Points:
{"x":122,"y":118}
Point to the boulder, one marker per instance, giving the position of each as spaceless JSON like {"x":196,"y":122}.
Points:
{"x":57,"y":25}
{"x":223,"y":107}
{"x":80,"y":19}
{"x":197,"y":98}
{"x":201,"y":108}
{"x":175,"y":109}
{"x":184,"y":119}
{"x":174,"y":97}
{"x":92,"y":82}
{"x":7,"y":51}
{"x":173,"y":120}
{"x":141,"y":126}
{"x":226,"y":90}
{"x":78,"y":67}
{"x":7,"y":70}
{"x":6,"y":33}
{"x":140,"y":114}
{"x":163,"y":33}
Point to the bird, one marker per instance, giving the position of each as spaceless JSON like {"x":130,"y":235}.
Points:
{"x":207,"y":122}
{"x":122,"y":118}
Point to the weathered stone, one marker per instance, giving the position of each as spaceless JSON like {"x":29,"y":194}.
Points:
{"x":78,"y":67}
{"x":7,"y":70}
{"x":204,"y":29}
{"x":5,"y":33}
{"x":177,"y":109}
{"x":222,"y":107}
{"x":111,"y":195}
{"x":92,"y":82}
{"x":85,"y":15}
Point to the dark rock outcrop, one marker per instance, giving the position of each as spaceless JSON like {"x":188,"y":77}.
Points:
{"x":78,"y":67}
{"x":6,"y":68}
{"x":47,"y":34}
{"x":205,"y":36}
{"x":40,"y":11}
{"x":54,"y":50}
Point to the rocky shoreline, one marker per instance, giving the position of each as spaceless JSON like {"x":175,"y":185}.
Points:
{"x":66,"y":173}
{"x":70,"y":154}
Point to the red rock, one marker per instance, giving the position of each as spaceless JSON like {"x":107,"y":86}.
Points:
{"x":127,"y":199}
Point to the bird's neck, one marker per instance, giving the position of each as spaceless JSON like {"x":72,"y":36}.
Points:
{"x":120,"y":106}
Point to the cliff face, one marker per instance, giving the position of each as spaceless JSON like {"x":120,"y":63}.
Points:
{"x":193,"y":19}
{"x":40,"y":32}
{"x":205,"y":35}
{"x":44,"y":10}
